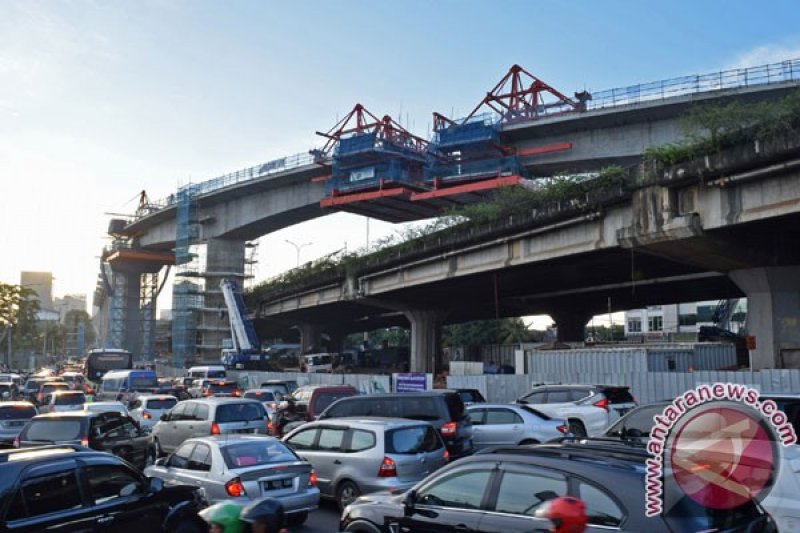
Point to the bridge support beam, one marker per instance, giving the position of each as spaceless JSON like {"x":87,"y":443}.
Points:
{"x":310,"y":338}
{"x":773,"y":314}
{"x":571,"y":324}
{"x":224,"y":260}
{"x":426,"y":339}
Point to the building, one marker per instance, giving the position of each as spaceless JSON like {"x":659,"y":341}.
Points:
{"x":70,"y":302}
{"x":42,"y":284}
{"x":681,"y":320}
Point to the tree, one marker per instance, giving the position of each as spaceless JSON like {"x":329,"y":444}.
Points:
{"x":73,"y":321}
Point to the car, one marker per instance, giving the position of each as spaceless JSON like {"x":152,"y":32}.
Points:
{"x":65,"y":400}
{"x":470,"y":396}
{"x":172,"y":388}
{"x":271,"y":398}
{"x":47,"y":388}
{"x":198,"y":388}
{"x":443,"y":408}
{"x":13,"y":417}
{"x":308,"y":402}
{"x":148,"y":408}
{"x":285,"y":386}
{"x":208,"y":416}
{"x":105,"y":407}
{"x":781,"y":502}
{"x":31,"y":388}
{"x":8,"y":391}
{"x":109,"y":432}
{"x":75,"y":380}
{"x":359,"y":456}
{"x":243,"y":468}
{"x":508,"y":424}
{"x":72,"y":488}
{"x":589,"y":409}
{"x":501,"y":489}
{"x":222,"y":388}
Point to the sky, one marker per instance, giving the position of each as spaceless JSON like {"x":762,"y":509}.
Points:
{"x":101,"y":100}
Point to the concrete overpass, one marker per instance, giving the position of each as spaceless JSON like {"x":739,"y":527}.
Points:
{"x":724,"y":226}
{"x":616,"y":129}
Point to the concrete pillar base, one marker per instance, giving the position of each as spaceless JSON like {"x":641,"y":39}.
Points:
{"x":310,"y":338}
{"x":773,"y":314}
{"x":426,"y":336}
{"x":571,"y":325}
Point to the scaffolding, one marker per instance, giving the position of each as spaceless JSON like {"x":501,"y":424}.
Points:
{"x":187,"y":292}
{"x":148,"y":292}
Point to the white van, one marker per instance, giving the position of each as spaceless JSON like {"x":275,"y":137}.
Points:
{"x":125,"y":385}
{"x":318,"y":362}
{"x":207,"y":372}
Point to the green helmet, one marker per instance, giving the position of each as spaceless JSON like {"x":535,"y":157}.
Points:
{"x":224,"y":514}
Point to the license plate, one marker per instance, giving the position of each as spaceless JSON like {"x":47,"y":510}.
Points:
{"x":277,"y":484}
{"x":245,"y":431}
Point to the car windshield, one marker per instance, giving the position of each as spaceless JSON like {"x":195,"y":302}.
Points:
{"x":55,"y":386}
{"x":143,"y":382}
{"x":257,"y":452}
{"x":240,"y":412}
{"x":53,"y":430}
{"x":412,"y":440}
{"x":261,"y":396}
{"x":166,"y":403}
{"x":216,"y":374}
{"x":228,"y":388}
{"x":16,"y":412}
{"x":70,"y":399}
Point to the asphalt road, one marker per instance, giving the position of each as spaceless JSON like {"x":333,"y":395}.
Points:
{"x":323,"y":520}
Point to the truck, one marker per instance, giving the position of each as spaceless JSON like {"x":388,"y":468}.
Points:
{"x":246,"y":353}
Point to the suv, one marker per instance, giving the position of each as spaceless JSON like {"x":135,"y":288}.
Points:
{"x":13,"y":417}
{"x":308,"y":402}
{"x":359,"y":456}
{"x":71,"y":488}
{"x":107,"y":432}
{"x":502,"y":489}
{"x":589,"y":409}
{"x":208,"y":416}
{"x":443,"y":408}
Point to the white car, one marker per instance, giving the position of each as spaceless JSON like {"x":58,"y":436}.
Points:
{"x":66,"y":400}
{"x":588,"y":409}
{"x":147,"y":409}
{"x":105,"y":407}
{"x":269,"y":397}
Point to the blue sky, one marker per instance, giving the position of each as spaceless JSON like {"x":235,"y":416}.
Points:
{"x":99,"y":100}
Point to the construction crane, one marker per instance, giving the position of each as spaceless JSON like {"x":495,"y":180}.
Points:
{"x":246,"y":351}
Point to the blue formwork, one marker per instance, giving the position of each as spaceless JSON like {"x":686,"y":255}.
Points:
{"x":465,"y":136}
{"x":458,"y":171}
{"x":370,"y":177}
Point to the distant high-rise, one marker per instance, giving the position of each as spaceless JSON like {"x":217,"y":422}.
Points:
{"x":70,"y":302}
{"x":42,"y":284}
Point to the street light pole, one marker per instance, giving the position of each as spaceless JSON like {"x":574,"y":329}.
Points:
{"x":297,"y":248}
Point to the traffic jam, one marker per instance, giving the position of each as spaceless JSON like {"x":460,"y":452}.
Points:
{"x":100,"y":446}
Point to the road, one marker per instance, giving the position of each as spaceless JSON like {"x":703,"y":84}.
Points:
{"x":323,"y":520}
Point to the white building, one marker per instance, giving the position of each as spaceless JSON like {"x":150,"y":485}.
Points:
{"x":658,"y":321}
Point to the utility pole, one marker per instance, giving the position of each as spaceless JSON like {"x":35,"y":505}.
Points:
{"x":610,"y":321}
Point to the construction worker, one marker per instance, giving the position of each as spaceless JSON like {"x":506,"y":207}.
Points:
{"x":567,"y":514}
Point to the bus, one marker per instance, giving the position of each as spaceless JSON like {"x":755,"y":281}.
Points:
{"x":100,"y":361}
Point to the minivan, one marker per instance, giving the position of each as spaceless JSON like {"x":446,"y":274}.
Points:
{"x":443,"y":408}
{"x":207,"y":372}
{"x":124,"y":385}
{"x":354,"y":456}
{"x":206,"y":417}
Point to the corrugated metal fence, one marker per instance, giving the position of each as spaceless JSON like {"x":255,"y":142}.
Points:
{"x":365,"y":383}
{"x":647,"y":387}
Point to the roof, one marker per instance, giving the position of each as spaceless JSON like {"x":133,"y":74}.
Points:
{"x":156,"y":396}
{"x":16,"y":404}
{"x":367,"y":422}
{"x":229,"y":439}
{"x":70,"y":414}
{"x":573,"y":456}
{"x":222,"y":399}
{"x":42,"y":452}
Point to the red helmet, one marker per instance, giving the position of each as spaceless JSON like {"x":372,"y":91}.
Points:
{"x":568,"y":514}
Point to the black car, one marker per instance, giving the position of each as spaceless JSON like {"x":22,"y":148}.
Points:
{"x":72,"y":488}
{"x":501,"y":489}
{"x":106,"y":431}
{"x":443,"y":408}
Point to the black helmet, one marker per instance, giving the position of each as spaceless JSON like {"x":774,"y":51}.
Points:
{"x":268,"y":511}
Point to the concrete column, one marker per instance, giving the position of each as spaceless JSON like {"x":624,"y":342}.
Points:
{"x":773,"y":314}
{"x":336,"y":337}
{"x":310,"y":337}
{"x":426,"y":339}
{"x":571,"y":324}
{"x":224,"y":260}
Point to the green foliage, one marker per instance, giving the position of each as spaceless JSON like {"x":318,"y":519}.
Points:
{"x":481,"y":332}
{"x":710,"y":128}
{"x":18,"y":308}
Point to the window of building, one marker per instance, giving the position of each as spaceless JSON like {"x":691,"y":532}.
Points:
{"x":634,"y":325}
{"x":655,"y":323}
{"x":687,"y":320}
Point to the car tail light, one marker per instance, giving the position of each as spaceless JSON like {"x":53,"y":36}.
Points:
{"x":235,"y":488}
{"x":312,"y":479}
{"x":563,"y":429}
{"x":146,"y":415}
{"x":16,"y":441}
{"x":270,"y":428}
{"x":207,"y":392}
{"x":237,"y":393}
{"x":388,"y":468}
{"x":602,"y":404}
{"x":85,"y":441}
{"x":449,"y":429}
{"x":215,"y":429}
{"x":446,"y":456}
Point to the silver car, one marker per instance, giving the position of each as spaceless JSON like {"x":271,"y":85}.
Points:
{"x":509,"y":424}
{"x":354,"y":456}
{"x":65,"y":400}
{"x":207,"y":417}
{"x":148,"y":408}
{"x":13,"y":417}
{"x":271,"y":398}
{"x":243,"y":468}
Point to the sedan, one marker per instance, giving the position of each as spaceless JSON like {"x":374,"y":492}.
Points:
{"x":243,"y":468}
{"x":509,"y":424}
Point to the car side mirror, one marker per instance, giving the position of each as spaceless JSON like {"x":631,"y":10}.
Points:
{"x":409,"y":501}
{"x":156,"y":485}
{"x":164,"y":417}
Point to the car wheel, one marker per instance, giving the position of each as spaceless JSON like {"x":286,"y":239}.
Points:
{"x":362,"y":527}
{"x":346,"y":493}
{"x":296,"y":519}
{"x":577,"y":428}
